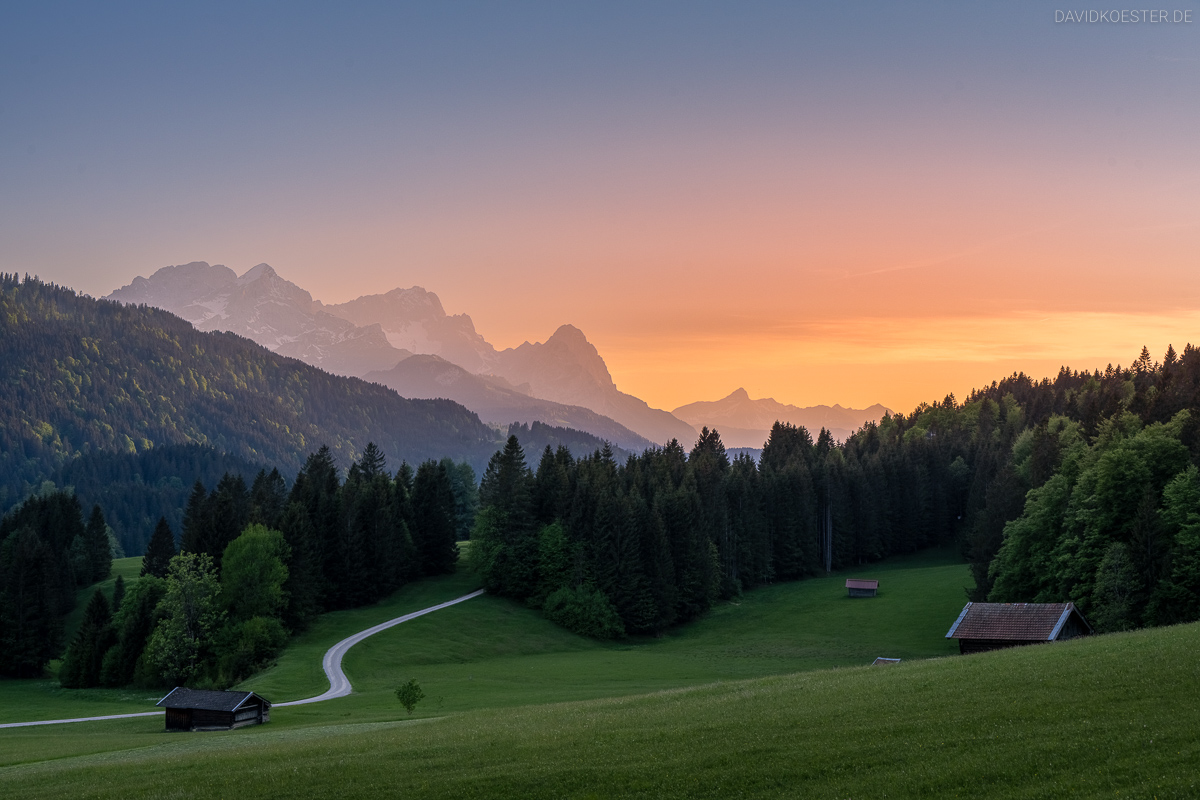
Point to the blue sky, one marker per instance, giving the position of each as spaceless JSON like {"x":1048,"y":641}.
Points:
{"x":608,"y":164}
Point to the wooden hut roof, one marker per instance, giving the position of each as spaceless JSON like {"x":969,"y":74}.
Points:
{"x":861,"y":583}
{"x":1018,"y":622}
{"x":181,"y":697}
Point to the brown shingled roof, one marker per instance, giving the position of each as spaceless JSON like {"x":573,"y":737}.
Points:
{"x":1019,"y":622}
{"x":181,"y":697}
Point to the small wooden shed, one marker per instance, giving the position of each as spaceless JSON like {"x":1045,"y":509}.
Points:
{"x":203,"y":710}
{"x":859,"y":587}
{"x":992,"y":626}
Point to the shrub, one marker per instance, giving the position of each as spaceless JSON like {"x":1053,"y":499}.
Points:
{"x":586,"y":611}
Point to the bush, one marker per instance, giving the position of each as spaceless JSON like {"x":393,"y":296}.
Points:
{"x":586,"y":611}
{"x":249,"y":646}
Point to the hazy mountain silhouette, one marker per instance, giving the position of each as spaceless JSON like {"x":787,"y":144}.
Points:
{"x":744,"y":422}
{"x":376,"y":332}
{"x":495,"y":401}
{"x":266,"y":308}
{"x":413,"y":319}
{"x":566,"y":368}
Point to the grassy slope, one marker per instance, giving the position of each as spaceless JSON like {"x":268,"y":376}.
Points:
{"x":129,"y":568}
{"x":492,"y":652}
{"x":1092,"y":717}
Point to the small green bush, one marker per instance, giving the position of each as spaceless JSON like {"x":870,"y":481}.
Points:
{"x":586,"y":611}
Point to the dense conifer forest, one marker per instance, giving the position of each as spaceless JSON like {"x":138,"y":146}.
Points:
{"x":249,"y":565}
{"x":1083,"y":487}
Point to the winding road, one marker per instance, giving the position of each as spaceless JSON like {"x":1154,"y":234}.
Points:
{"x":339,"y":684}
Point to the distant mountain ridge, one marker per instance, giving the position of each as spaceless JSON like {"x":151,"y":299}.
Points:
{"x":744,"y":422}
{"x":562,"y":381}
{"x":79,"y":375}
{"x":414,"y":320}
{"x":266,"y":308}
{"x":429,"y":377}
{"x":374,"y":333}
{"x":568,"y":369}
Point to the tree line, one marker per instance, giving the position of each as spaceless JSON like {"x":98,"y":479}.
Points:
{"x":47,"y":552}
{"x":1083,"y":488}
{"x":251,"y":565}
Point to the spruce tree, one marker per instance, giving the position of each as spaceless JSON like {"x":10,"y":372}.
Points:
{"x":159,"y":551}
{"x":82,"y":662}
{"x":30,"y":620}
{"x":99,"y":551}
{"x":305,"y":584}
{"x":230,"y":508}
{"x":268,"y":498}
{"x":118,"y":594}
{"x":197,"y":522}
{"x":434,"y":530}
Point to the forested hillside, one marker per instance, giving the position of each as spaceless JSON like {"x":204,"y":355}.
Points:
{"x":79,"y":375}
{"x":1081,"y":488}
{"x":249,"y":564}
{"x":137,"y":489}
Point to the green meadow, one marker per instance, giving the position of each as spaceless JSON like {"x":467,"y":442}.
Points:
{"x":769,"y":696}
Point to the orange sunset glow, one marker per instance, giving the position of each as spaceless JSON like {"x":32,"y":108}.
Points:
{"x":855,"y":206}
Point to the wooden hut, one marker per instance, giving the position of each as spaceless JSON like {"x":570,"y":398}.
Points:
{"x":861,"y":588}
{"x":202,"y":710}
{"x":991,"y":626}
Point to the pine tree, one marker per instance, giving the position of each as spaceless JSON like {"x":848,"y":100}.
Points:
{"x":230,"y":507}
{"x":159,"y":551}
{"x":99,"y":553}
{"x":30,"y":620}
{"x":433,"y":519}
{"x":197,"y":522}
{"x":268,"y":498}
{"x":305,"y":583}
{"x":82,"y":662}
{"x":118,"y":594}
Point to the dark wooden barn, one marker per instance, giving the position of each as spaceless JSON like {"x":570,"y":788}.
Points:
{"x":202,"y":710}
{"x":991,"y":626}
{"x":859,"y":587}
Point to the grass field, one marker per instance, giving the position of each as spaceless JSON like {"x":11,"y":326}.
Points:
{"x":493,"y":652}
{"x":128,"y":568}
{"x":740,"y":703}
{"x":1106,"y":716}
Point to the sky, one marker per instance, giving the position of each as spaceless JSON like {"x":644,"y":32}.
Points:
{"x":823,"y":203}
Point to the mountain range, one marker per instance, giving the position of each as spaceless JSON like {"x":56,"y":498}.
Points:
{"x":562,"y":381}
{"x":266,"y":308}
{"x":744,"y":422}
{"x":496,"y":401}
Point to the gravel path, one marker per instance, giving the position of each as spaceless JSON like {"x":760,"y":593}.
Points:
{"x":339,"y":684}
